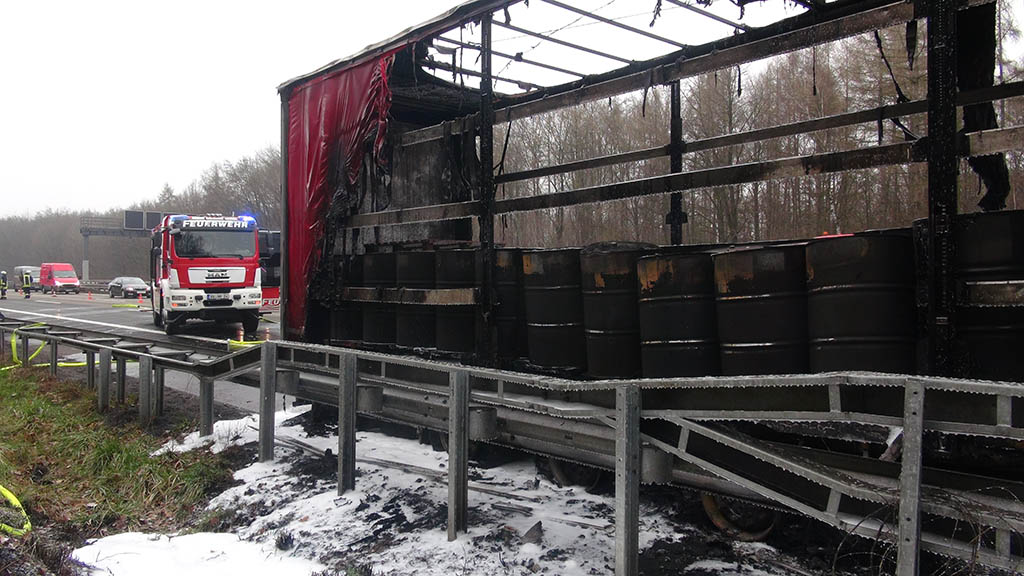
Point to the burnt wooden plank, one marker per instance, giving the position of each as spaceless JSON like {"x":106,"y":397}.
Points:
{"x":738,"y":174}
{"x":432,"y":296}
{"x":976,"y":143}
{"x":610,"y":160}
{"x":421,"y":214}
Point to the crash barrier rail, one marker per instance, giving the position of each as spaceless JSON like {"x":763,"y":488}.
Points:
{"x":906,"y":503}
{"x":103,"y":352}
{"x":830,"y":487}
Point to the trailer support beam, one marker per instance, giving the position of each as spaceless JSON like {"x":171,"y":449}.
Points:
{"x":675,"y":216}
{"x":103,"y":393}
{"x":53,"y":357}
{"x":145,"y":391}
{"x":121,"y":370}
{"x":487,"y":346}
{"x":158,"y":385}
{"x":627,"y":480}
{"x":910,"y":480}
{"x":90,"y":369}
{"x":347,"y":423}
{"x":943,"y":171}
{"x":458,"y":453}
{"x":205,"y":405}
{"x":268,"y":386}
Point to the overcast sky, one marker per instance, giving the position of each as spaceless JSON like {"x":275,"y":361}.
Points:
{"x":104,"y":101}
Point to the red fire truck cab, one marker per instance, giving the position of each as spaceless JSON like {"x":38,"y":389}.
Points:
{"x":205,"y":267}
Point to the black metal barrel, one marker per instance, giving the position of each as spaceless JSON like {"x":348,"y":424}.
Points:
{"x":989,"y":269}
{"x":761,"y":303}
{"x":610,"y":318}
{"x":860,"y":303}
{"x":509,"y":313}
{"x":379,"y":319}
{"x":554,"y":308}
{"x":347,"y":323}
{"x":456,"y":325}
{"x":678,"y":326}
{"x":415,"y":322}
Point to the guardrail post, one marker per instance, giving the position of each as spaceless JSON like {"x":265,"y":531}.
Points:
{"x":103,"y":390}
{"x":458,"y":453}
{"x":347,"y":422}
{"x":53,"y":356}
{"x":120,"y":378}
{"x":627,"y":480}
{"x":158,"y":392}
{"x":205,"y":405}
{"x":24,"y":350}
{"x":145,"y":391}
{"x":90,"y":369}
{"x":910,"y":479}
{"x":268,"y":386}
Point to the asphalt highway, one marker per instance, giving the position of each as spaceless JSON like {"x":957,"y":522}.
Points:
{"x":126,"y":317}
{"x":123,"y":313}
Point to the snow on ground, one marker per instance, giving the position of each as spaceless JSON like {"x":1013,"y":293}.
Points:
{"x":288,"y":514}
{"x":203,"y":554}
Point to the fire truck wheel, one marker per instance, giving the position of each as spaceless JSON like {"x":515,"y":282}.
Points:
{"x":250,"y":324}
{"x":171,"y":328}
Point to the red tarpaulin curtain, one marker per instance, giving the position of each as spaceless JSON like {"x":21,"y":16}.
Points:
{"x":339,"y":110}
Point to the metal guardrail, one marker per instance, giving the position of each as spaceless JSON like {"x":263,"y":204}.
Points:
{"x":976,"y":408}
{"x":103,"y":352}
{"x":467,"y":402}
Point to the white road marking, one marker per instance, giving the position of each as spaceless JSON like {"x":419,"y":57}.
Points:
{"x":109,"y":325}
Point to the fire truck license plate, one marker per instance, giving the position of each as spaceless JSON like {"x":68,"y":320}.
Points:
{"x":218,"y":296}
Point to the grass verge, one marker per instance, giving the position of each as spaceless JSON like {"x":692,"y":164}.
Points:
{"x":68,"y":467}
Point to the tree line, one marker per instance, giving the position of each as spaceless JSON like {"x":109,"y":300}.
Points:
{"x":831,"y":79}
{"x":249,"y":185}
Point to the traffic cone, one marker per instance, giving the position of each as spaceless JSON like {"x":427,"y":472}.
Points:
{"x":140,"y":300}
{"x":90,"y":295}
{"x":53,"y":292}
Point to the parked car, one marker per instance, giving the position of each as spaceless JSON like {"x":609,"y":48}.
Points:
{"x":128,"y":287}
{"x":59,"y":277}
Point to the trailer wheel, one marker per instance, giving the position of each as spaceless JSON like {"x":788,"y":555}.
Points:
{"x":744,"y":522}
{"x":566,"y":473}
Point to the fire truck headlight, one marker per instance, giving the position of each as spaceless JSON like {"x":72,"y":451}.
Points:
{"x":178,"y":298}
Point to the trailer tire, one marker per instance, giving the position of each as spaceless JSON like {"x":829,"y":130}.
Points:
{"x":744,"y":522}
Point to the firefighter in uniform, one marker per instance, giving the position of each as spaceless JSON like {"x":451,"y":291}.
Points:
{"x":26,"y":283}
{"x":3,"y":285}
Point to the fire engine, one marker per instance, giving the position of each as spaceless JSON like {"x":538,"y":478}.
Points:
{"x":205,"y":267}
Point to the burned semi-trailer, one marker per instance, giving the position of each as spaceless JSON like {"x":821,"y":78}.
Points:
{"x":776,"y":371}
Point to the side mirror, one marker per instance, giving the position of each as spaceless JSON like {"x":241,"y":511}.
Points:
{"x":174,"y":231}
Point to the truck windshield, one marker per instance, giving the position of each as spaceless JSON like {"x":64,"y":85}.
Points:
{"x":215,"y":244}
{"x":63,"y":273}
